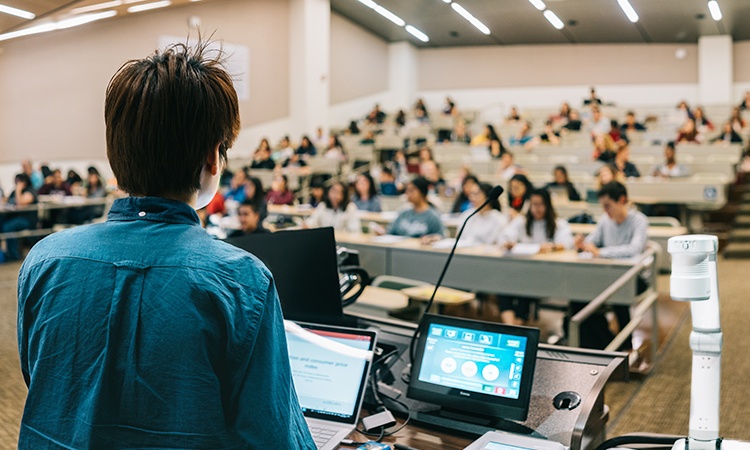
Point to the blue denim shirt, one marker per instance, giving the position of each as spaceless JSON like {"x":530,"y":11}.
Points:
{"x":145,"y":332}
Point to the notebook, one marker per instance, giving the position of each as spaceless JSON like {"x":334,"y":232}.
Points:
{"x":330,"y":368}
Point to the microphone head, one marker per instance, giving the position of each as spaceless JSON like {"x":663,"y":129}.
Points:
{"x":495,"y":193}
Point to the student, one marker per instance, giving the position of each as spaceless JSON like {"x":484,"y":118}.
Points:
{"x":236,"y":190}
{"x":728,"y":135}
{"x":486,"y":225}
{"x":519,"y":191}
{"x":317,"y":193}
{"x":462,"y":202}
{"x":262,"y":157}
{"x":421,"y":219}
{"x":560,"y":174}
{"x":388,"y":185}
{"x":56,"y":185}
{"x":256,"y":195}
{"x":280,"y":193}
{"x":171,"y":337}
{"x":365,"y":195}
{"x":540,"y":225}
{"x":689,"y":133}
{"x":669,"y":168}
{"x":622,"y":161}
{"x":250,"y":220}
{"x":336,"y":211}
{"x":523,"y":136}
{"x":22,"y":195}
{"x":620,"y":233}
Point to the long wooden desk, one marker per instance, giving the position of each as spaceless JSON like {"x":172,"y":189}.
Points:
{"x":489,"y":269}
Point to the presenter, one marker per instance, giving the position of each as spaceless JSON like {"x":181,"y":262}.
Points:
{"x":143,"y":331}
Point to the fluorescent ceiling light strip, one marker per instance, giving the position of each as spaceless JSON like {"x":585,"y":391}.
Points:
{"x":61,"y":25}
{"x":148,"y":6}
{"x":538,"y":4}
{"x":17,"y":12}
{"x":628,"y":10}
{"x":713,"y":6}
{"x":417,"y":34}
{"x":473,"y":20}
{"x":553,"y":19}
{"x":383,"y":12}
{"x":97,"y":7}
{"x":447,"y":1}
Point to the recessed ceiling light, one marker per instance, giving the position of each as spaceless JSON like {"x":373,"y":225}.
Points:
{"x":468,"y":16}
{"x":713,"y":6}
{"x":17,"y":12}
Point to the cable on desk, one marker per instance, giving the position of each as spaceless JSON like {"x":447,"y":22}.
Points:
{"x":655,"y":439}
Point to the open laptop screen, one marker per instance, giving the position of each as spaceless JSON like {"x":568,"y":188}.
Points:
{"x":330,"y":366}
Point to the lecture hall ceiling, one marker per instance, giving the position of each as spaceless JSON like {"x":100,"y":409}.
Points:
{"x":510,"y":22}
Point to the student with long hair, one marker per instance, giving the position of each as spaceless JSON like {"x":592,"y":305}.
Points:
{"x":336,"y":211}
{"x":365,"y":195}
{"x":487,"y":225}
{"x":540,"y":225}
{"x":519,"y":191}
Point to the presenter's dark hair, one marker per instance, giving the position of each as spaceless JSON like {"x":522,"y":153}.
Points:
{"x":614,"y":190}
{"x":164,"y":114}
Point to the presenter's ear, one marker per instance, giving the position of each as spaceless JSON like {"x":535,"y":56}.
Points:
{"x":214,"y":159}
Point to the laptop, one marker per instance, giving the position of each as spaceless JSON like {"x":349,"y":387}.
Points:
{"x":304,"y":267}
{"x":330,"y":369}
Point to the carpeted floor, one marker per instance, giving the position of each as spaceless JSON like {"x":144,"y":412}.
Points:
{"x":657,"y":403}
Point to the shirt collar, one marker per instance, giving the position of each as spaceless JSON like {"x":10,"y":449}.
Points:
{"x":155,"y":209}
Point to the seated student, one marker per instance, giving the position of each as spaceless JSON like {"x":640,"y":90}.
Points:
{"x":74,"y":180}
{"x":592,"y":99}
{"x":486,"y":225}
{"x":279,"y":194}
{"x":430,"y":170}
{"x":669,"y":168}
{"x":388,"y":185}
{"x":236,"y":190}
{"x":306,"y":149}
{"x":254,"y":193}
{"x":728,"y":135}
{"x":92,"y":188}
{"x":368,"y":139}
{"x":523,"y":136}
{"x":620,"y":233}
{"x":607,"y":174}
{"x":519,"y":191}
{"x":574,"y":121}
{"x":376,"y":116}
{"x":604,"y":148}
{"x":262,"y":157}
{"x":334,"y":150}
{"x":507,"y":167}
{"x":22,"y":195}
{"x":689,"y":133}
{"x":365,"y":194}
{"x":702,"y":123}
{"x":561,"y":180}
{"x":540,"y":225}
{"x":250,"y":220}
{"x":421,"y":219}
{"x":284,"y":152}
{"x":317,"y":193}
{"x":336,"y":211}
{"x":622,"y":161}
{"x":56,"y":185}
{"x":631,"y":125}
{"x":462,"y":202}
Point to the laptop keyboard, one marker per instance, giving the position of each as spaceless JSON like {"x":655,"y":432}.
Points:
{"x":321,"y":435}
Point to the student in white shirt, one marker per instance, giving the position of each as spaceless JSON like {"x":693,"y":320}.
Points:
{"x":540,"y":225}
{"x":487,"y":225}
{"x":336,"y":211}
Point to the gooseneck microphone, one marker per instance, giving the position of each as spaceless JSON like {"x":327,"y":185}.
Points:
{"x":493,"y":195}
